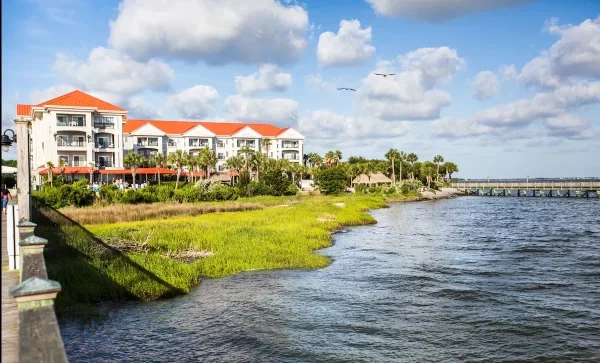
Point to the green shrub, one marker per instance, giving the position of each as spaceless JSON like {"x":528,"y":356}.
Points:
{"x":408,"y":186}
{"x":360,"y":188}
{"x":275,"y":183}
{"x":292,"y":189}
{"x":331,"y":180}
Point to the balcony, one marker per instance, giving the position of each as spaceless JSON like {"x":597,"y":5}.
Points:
{"x":72,"y":123}
{"x":104,"y":125}
{"x":290,"y":145}
{"x":220,"y":144}
{"x":71,"y":144}
{"x":250,"y":144}
{"x":292,"y":157}
{"x":79,"y":163}
{"x":104,"y":163}
{"x":104,"y":146}
{"x":147,"y":143}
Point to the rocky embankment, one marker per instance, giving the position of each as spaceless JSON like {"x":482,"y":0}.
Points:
{"x":444,"y":193}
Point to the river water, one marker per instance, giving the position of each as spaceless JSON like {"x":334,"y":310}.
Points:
{"x":466,"y":279}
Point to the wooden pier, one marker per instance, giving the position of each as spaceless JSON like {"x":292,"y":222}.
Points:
{"x":551,"y":188}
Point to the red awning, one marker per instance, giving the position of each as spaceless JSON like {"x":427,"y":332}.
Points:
{"x":69,"y":170}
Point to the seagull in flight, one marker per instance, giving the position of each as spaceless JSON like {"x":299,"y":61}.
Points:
{"x":346,"y":89}
{"x":385,"y":74}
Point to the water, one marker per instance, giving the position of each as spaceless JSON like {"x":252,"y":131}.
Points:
{"x":467,"y":279}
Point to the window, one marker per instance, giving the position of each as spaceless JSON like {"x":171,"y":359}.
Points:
{"x":220,"y":143}
{"x":220,"y":156}
{"x":226,"y":154}
{"x":65,"y":158}
{"x":61,"y":120}
{"x":171,"y":142}
{"x":271,"y":154}
{"x":153,"y":141}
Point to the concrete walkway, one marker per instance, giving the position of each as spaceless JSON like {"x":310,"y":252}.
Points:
{"x":9,"y":306}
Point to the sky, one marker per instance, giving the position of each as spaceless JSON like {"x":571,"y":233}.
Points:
{"x":504,"y":89}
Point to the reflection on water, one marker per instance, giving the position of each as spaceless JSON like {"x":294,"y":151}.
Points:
{"x":467,"y":279}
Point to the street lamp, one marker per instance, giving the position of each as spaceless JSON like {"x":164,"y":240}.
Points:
{"x":7,"y":141}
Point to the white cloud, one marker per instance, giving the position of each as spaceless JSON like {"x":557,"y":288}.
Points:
{"x":217,"y":31}
{"x":484,"y":85}
{"x":279,"y":111}
{"x":351,"y":45}
{"x":268,"y":78}
{"x":575,"y":54}
{"x":195,"y":102}
{"x":109,"y":71}
{"x":8,"y":120}
{"x":569,"y":126}
{"x":316,"y":81}
{"x":437,"y":65}
{"x":327,"y":125}
{"x":519,"y":114}
{"x":508,"y":73}
{"x":436,"y":10}
{"x":39,"y":96}
{"x":411,"y":93}
{"x":139,"y":108}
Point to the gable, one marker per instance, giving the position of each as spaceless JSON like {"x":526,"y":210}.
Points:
{"x":199,"y":131}
{"x":290,"y":133}
{"x":148,"y":130}
{"x":247,"y":132}
{"x":81,"y":99}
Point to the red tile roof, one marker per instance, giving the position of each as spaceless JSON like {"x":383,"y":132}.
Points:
{"x":68,"y":170}
{"x":81,"y":99}
{"x":23,"y":110}
{"x":173,"y":127}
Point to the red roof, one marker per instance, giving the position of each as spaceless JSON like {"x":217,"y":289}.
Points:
{"x":174,"y":127}
{"x":23,"y":110}
{"x":80,"y":99}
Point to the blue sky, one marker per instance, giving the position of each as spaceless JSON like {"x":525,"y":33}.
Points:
{"x":186,"y":70}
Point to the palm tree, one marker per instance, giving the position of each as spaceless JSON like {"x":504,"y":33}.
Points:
{"x":266,"y":143}
{"x":427,"y":169}
{"x":189,"y":163}
{"x":329,"y":158}
{"x":134,"y":161}
{"x":50,"y":166}
{"x":234,"y":163}
{"x":246,"y":151}
{"x":438,"y":159}
{"x":337,"y":156}
{"x":314,"y":159}
{"x":62,"y":163}
{"x":392,"y":155}
{"x":450,"y":168}
{"x":92,"y":166}
{"x":412,"y":159}
{"x":159,"y":161}
{"x":256,"y":162}
{"x":209,"y":160}
{"x":177,"y":159}
{"x":401,"y":157}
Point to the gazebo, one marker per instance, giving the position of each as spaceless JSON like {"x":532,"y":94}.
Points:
{"x":372,"y":179}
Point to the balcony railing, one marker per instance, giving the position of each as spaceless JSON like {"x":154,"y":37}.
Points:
{"x":104,"y":125}
{"x":70,"y":123}
{"x":248,"y":144}
{"x":79,"y":163}
{"x":104,"y":146}
{"x":220,"y":144}
{"x":290,"y":157}
{"x":198,"y":144}
{"x":290,"y":145}
{"x":147,"y":143}
{"x":101,"y":162}
{"x":70,"y":143}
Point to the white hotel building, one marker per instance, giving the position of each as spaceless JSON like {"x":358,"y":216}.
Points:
{"x":81,"y":129}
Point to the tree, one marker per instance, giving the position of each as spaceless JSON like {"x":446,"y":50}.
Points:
{"x":401,"y":157}
{"x":257,"y":160}
{"x":50,"y":166}
{"x":266,"y":143}
{"x":159,"y":161}
{"x":331,"y":180}
{"x":337,"y":157}
{"x":246,"y":151}
{"x":392,"y":156}
{"x":450,"y":168}
{"x":412,"y":159}
{"x":91,"y":170}
{"x":438,"y":159}
{"x":209,"y":160}
{"x":134,"y":161}
{"x":314,"y":160}
{"x":427,"y":170}
{"x":234,"y":163}
{"x":63,"y":165}
{"x":329,"y":159}
{"x":176,"y":159}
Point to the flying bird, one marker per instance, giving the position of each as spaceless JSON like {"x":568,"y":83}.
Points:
{"x":346,"y":89}
{"x":385,"y":74}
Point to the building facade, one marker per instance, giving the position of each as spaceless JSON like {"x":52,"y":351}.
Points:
{"x":225,"y":139}
{"x":81,"y":129}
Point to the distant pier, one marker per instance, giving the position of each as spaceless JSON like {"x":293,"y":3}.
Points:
{"x":548,"y":188}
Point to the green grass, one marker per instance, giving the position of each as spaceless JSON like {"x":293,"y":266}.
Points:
{"x":282,"y":235}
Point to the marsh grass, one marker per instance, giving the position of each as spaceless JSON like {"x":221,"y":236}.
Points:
{"x":269,"y":238}
{"x":139,"y":212}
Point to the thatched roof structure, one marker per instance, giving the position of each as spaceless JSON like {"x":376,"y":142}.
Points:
{"x":222,"y":177}
{"x":376,"y":178}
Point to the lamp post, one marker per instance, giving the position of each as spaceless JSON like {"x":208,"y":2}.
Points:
{"x":7,"y":141}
